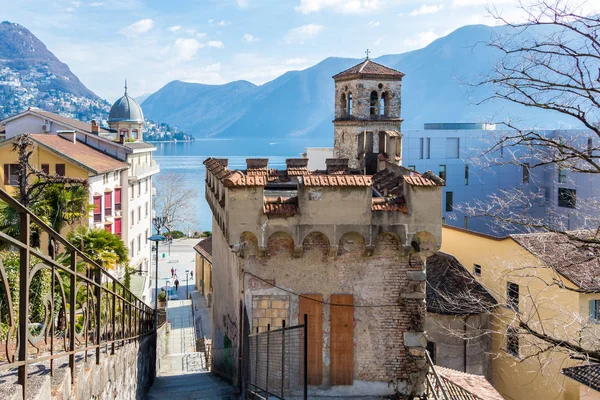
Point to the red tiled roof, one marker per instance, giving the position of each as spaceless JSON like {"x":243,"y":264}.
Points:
{"x":238,"y":178}
{"x":574,"y":259}
{"x":337,"y":180}
{"x":418,"y":180}
{"x":281,"y":206}
{"x":477,"y":385}
{"x":80,"y":153}
{"x":293,"y":171}
{"x":204,"y":248}
{"x":73,"y":123}
{"x":369,"y":67}
{"x":384,"y":204}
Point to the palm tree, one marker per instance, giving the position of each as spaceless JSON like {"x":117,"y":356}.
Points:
{"x":101,"y":246}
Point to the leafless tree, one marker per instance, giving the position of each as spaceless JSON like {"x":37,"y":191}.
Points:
{"x":175,"y":200}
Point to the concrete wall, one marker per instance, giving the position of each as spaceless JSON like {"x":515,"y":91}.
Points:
{"x":451,"y":351}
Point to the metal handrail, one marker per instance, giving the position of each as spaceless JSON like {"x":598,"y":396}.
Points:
{"x":81,"y":312}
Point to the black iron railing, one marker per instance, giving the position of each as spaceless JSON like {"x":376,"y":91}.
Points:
{"x":50,"y":311}
{"x":277,"y":363}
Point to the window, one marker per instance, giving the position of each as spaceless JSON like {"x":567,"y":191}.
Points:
{"x":146,"y":213}
{"x":443,"y":221}
{"x":139,"y":241}
{"x":139,"y":213}
{"x":452,"y":148}
{"x":567,"y":198}
{"x":428,"y":148}
{"x":132,"y":248}
{"x":60,"y":169}
{"x":590,"y":146}
{"x":595,"y":311}
{"x":512,"y":341}
{"x":369,"y":142}
{"x":118,"y":227}
{"x":431,"y":350}
{"x":477,"y":269}
{"x":98,"y":208}
{"x":512,"y":296}
{"x":562,"y":175}
{"x":146,"y":237}
{"x":11,"y":174}
{"x":139,"y":189}
{"x":382,"y":142}
{"x":116,"y":176}
{"x":105,"y":180}
{"x":502,"y":150}
{"x":449,"y":201}
{"x":412,"y":168}
{"x":467,"y":174}
{"x":344,"y":105}
{"x":383,"y":104}
{"x":466,"y":222}
{"x":350,"y":104}
{"x":421,"y":148}
{"x":146,"y":183}
{"x":132,"y":187}
{"x":134,"y":134}
{"x":46,"y":168}
{"x":132,"y":217}
{"x":373,"y":103}
{"x":108,"y":227}
{"x":118,"y":199}
{"x":525,"y":173}
{"x":107,"y":203}
{"x":442,"y":173}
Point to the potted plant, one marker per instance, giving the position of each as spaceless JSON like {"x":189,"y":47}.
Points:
{"x":162,"y":298}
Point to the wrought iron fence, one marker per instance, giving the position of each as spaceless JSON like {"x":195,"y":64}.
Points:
{"x":277,"y":363}
{"x":52,"y":308}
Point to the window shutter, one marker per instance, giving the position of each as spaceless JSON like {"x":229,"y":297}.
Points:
{"x":314,"y":311}
{"x":6,"y":173}
{"x":107,"y":200}
{"x":342,"y":339}
{"x":118,"y":227}
{"x":97,"y":205}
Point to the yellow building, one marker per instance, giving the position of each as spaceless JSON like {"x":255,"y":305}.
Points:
{"x":204,"y":267}
{"x":537,"y":280}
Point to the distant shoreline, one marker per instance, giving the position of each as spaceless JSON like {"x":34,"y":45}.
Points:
{"x":168,"y":141}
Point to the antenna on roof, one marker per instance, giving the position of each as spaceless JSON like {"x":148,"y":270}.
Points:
{"x":125,"y":86}
{"x":367,"y":53}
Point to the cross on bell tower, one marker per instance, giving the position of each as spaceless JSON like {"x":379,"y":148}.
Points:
{"x":367,"y":53}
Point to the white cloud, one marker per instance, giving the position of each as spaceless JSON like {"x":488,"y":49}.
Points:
{"x":76,"y":3}
{"x":343,"y":6}
{"x":426,"y":9}
{"x":296,"y":61}
{"x":175,"y":28}
{"x":96,"y":4}
{"x":378,"y":41}
{"x":70,"y":9}
{"x":212,"y":22}
{"x":187,"y":48}
{"x":249,"y":38}
{"x":467,"y":3}
{"x":302,"y":33}
{"x":242,"y":3}
{"x":216,"y":44}
{"x":137,"y":28}
{"x":421,"y":39}
{"x":373,"y":23}
{"x":200,"y":35}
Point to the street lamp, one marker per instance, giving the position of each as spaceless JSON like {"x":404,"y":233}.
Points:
{"x":156,"y":239}
{"x":187,"y":284}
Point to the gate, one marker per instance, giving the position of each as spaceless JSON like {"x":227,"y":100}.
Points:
{"x":277,"y":363}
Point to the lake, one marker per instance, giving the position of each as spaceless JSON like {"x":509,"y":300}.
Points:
{"x":187,"y":159}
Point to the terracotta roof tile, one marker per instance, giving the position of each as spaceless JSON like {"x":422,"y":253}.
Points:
{"x":281,"y":206}
{"x":588,"y":375}
{"x":451,"y":290}
{"x":385,"y":204}
{"x":293,"y":171}
{"x":574,"y":259}
{"x":73,"y":123}
{"x":477,"y":385}
{"x":204,"y":248}
{"x":80,"y":153}
{"x":369,"y":67}
{"x":418,"y":180}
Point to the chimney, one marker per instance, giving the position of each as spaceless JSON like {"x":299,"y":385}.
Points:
{"x":337,"y":165}
{"x":257,"y":163}
{"x":122,"y":137}
{"x":95,"y":127}
{"x":296,"y":163}
{"x":223,"y":161}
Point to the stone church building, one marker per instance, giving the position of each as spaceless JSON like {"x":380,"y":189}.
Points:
{"x":346,"y":246}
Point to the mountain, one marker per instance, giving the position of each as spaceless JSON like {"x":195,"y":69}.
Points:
{"x":300,"y":103}
{"x":31,"y":76}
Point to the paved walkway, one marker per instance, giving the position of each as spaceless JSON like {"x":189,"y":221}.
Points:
{"x":183,"y":374}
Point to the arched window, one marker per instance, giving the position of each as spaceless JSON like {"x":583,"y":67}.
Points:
{"x":383,"y":104}
{"x":344,"y":105}
{"x":373,"y":104}
{"x":350,"y":105}
{"x":134,"y":134}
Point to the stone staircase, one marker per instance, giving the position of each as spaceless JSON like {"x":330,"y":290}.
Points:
{"x":191,"y":386}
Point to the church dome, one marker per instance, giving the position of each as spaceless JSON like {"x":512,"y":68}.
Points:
{"x":126,"y":109}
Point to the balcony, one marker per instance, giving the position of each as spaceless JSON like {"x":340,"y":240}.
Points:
{"x":141,"y":171}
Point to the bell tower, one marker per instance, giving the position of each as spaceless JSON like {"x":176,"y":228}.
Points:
{"x":367,"y":116}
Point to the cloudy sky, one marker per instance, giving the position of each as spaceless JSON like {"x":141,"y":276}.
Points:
{"x":151,"y":42}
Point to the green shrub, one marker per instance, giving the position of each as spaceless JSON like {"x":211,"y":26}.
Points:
{"x":176,"y":234}
{"x":162,"y":296}
{"x":206,"y":234}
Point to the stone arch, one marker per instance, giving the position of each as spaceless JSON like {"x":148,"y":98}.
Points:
{"x":352,"y":244}
{"x":383,"y":104}
{"x":316,"y":241}
{"x":280,"y":243}
{"x":374,"y":99}
{"x":344,"y":104}
{"x":248,"y":244}
{"x":350,"y":104}
{"x":425,"y":242}
{"x":387,"y":244}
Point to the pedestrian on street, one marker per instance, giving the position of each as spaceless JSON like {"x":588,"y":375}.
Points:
{"x":176,"y":284}
{"x":191,"y":274}
{"x":172,"y":272}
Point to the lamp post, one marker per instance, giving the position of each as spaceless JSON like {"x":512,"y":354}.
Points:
{"x":187,"y":283}
{"x":156,"y":239}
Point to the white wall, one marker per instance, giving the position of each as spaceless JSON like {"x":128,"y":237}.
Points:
{"x":317,"y":156}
